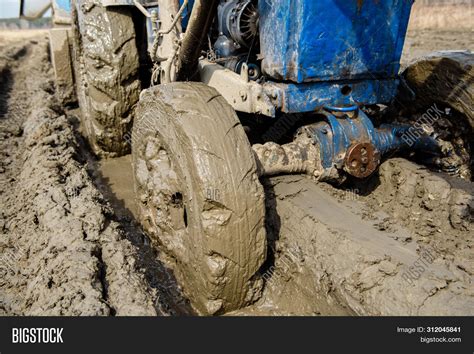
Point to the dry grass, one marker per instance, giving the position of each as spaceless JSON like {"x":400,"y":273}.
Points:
{"x":16,"y":35}
{"x":448,"y":17}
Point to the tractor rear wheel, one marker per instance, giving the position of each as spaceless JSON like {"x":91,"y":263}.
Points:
{"x":443,"y":84}
{"x":107,"y":69}
{"x":199,"y":195}
{"x":444,"y":77}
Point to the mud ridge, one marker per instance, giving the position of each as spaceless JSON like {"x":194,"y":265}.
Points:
{"x":60,"y":254}
{"x":358,"y":252}
{"x":170,"y":299}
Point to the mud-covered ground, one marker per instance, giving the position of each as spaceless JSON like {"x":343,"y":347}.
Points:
{"x":62,"y":250}
{"x":69,"y":244}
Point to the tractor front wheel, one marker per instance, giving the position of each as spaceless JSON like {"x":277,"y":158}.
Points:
{"x":199,"y":195}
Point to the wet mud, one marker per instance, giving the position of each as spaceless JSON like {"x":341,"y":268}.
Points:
{"x":398,"y":244}
{"x":63,"y":249}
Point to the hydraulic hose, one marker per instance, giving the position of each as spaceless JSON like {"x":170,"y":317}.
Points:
{"x":202,"y":15}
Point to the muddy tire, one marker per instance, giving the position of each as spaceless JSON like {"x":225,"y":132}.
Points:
{"x":443,"y":77}
{"x":106,"y":70}
{"x":444,"y":80}
{"x":198,"y":192}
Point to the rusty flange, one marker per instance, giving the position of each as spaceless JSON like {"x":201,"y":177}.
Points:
{"x":361,"y":160}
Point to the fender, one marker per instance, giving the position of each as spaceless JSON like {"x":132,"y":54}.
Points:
{"x":34,"y":9}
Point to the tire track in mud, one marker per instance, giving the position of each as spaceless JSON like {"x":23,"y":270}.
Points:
{"x":398,"y":244}
{"x":159,"y":277}
{"x":62,"y":250}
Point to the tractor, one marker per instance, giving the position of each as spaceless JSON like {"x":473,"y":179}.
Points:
{"x":211,"y":96}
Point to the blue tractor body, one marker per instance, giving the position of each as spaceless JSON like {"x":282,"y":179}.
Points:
{"x":334,"y":57}
{"x":332,"y":40}
{"x":65,"y":5}
{"x":330,"y":52}
{"x":333,"y":52}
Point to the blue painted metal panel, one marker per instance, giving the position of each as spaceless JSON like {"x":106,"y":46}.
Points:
{"x":309,"y":97}
{"x":64,"y":5}
{"x":186,"y":13}
{"x":324,"y":40}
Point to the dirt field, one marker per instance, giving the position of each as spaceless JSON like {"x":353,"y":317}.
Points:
{"x":70,"y":243}
{"x":454,"y":15}
{"x":420,"y":42}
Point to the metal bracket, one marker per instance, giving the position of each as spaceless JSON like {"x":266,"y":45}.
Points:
{"x":352,"y":143}
{"x":242,"y":94}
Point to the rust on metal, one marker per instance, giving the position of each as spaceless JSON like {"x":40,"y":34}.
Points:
{"x":361,"y":160}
